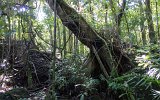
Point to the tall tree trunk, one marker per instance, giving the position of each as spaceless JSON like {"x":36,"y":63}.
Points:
{"x":110,"y":56}
{"x":106,"y":16}
{"x":150,"y":22}
{"x":53,"y":38}
{"x":76,"y":45}
{"x":142,"y":20}
{"x":59,"y":35}
{"x":157,"y":21}
{"x":70,"y":42}
{"x":118,"y":18}
{"x":64,"y":42}
{"x":91,"y":11}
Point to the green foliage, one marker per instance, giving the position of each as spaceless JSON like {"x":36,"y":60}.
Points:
{"x":69,"y":73}
{"x":148,"y":56}
{"x":133,"y":86}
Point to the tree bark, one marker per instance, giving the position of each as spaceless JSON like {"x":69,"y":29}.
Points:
{"x":150,"y":22}
{"x":157,"y":21}
{"x":64,"y":42}
{"x":111,"y":56}
{"x":142,"y":26}
{"x":118,"y":18}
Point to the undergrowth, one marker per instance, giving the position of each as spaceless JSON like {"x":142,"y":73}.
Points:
{"x":137,"y":84}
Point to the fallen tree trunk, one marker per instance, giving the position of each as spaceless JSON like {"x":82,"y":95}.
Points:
{"x":111,"y":56}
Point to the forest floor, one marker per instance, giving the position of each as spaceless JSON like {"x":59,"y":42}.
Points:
{"x":72,"y":83}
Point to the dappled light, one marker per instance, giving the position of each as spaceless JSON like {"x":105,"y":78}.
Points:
{"x":79,"y":50}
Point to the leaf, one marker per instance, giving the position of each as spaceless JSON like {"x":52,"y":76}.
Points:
{"x":132,"y":97}
{"x":139,"y":83}
{"x":145,"y":65}
{"x":82,"y":97}
{"x":141,"y":64}
{"x":122,"y":95}
{"x":142,"y":51}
